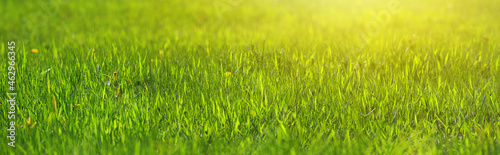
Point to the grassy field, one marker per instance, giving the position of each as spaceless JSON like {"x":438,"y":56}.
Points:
{"x":252,"y":77}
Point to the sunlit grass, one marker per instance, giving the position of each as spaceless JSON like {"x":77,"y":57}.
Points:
{"x":263,"y":77}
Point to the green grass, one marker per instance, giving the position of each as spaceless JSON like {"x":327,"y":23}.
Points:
{"x":307,"y":77}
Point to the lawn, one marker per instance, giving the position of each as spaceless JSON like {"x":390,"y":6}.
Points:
{"x":250,"y":77}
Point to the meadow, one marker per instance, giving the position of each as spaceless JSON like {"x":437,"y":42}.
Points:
{"x":252,"y":77}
